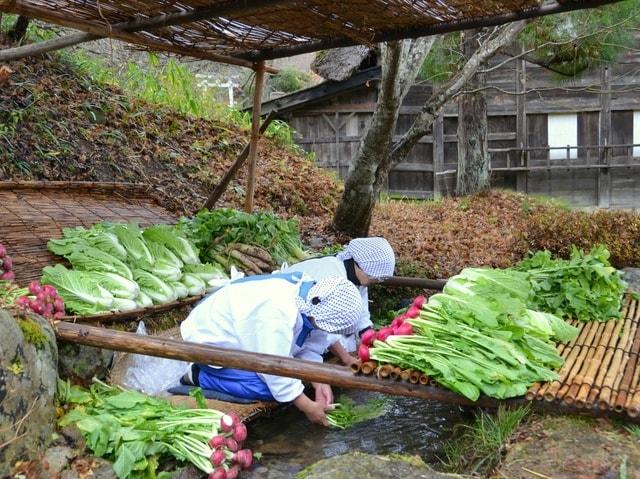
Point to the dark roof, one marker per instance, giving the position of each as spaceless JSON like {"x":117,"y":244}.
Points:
{"x":246,"y":31}
{"x":319,"y":92}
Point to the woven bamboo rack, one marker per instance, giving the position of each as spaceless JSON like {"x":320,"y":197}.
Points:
{"x":34,"y":212}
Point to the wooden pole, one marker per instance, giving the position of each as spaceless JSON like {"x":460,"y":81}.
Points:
{"x":261,"y":363}
{"x":521,"y":123}
{"x":255,"y":135}
{"x":404,"y":281}
{"x":438,"y":153}
{"x":604,"y":176}
{"x":233,"y":170}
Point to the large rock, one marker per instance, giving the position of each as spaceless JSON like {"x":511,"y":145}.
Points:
{"x":632,"y":277}
{"x":28,"y":374}
{"x":81,"y":363}
{"x":357,"y":464}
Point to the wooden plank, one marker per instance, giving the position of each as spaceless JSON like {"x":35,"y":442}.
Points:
{"x":604,"y":176}
{"x":438,"y":153}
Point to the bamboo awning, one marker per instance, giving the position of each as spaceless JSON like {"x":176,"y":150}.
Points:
{"x":247,"y":31}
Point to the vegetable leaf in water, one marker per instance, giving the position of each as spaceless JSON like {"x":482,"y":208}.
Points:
{"x":346,"y":413}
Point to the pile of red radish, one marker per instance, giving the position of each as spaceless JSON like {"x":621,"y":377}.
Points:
{"x":398,"y":327}
{"x":44,"y":301}
{"x":227,"y":457}
{"x":6,"y":265}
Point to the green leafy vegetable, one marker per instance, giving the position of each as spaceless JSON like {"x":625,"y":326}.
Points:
{"x":347,"y":413}
{"x":169,"y":237}
{"x":158,"y":290}
{"x":585,"y":286}
{"x":92,"y":259}
{"x":131,"y":238}
{"x":80,"y":293}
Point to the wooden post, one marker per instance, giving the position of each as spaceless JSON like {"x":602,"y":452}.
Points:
{"x":255,"y":135}
{"x":604,"y":175}
{"x":521,"y":124}
{"x":438,"y":153}
{"x":231,"y":172}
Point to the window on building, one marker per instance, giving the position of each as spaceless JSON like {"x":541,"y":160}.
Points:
{"x":636,"y":133}
{"x":562,"y":130}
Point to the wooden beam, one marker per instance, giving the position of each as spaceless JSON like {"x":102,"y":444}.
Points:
{"x":255,"y":136}
{"x":425,"y":30}
{"x":404,"y":281}
{"x":604,"y":175}
{"x":438,"y":153}
{"x":261,"y":363}
{"x":235,"y":167}
{"x":33,"y":49}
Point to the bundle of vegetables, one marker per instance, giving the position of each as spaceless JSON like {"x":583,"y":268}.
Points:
{"x":213,"y":231}
{"x":134,"y":431}
{"x":43,"y":300}
{"x":477,"y":336}
{"x":6,"y":265}
{"x":585,"y":286}
{"x":249,"y":259}
{"x":346,"y":413}
{"x":120,"y":267}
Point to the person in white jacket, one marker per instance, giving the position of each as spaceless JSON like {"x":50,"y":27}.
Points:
{"x":364,"y":261}
{"x":272,"y":314}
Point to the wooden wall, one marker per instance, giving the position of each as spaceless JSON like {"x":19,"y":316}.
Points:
{"x":518,"y":139}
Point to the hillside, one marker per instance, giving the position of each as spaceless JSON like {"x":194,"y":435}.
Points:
{"x":57,"y":124}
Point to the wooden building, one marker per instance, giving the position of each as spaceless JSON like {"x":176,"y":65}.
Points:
{"x":576,"y":139}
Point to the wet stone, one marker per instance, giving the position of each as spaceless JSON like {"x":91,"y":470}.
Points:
{"x":632,"y":277}
{"x":358,"y":464}
{"x":81,"y":363}
{"x":56,"y":459}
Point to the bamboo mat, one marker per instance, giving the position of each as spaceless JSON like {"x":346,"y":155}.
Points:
{"x":601,"y":371}
{"x":246,"y":412}
{"x":34,"y":212}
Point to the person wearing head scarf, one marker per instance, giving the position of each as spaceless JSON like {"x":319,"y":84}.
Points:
{"x":271,"y":314}
{"x":363,"y":261}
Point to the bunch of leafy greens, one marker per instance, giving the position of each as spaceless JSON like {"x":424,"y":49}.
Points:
{"x":134,"y":430}
{"x":211,"y":231}
{"x":120,"y":267}
{"x":478,"y":336}
{"x":585,"y":286}
{"x":346,"y":413}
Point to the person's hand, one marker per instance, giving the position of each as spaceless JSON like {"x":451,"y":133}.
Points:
{"x":324,"y":394}
{"x":314,"y":410}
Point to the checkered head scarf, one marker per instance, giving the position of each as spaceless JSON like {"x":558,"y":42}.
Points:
{"x":334,"y":303}
{"x":374,"y":256}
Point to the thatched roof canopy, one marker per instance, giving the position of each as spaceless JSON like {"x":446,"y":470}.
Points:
{"x":245,"y":31}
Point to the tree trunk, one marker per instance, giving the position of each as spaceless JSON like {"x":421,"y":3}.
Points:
{"x":19,"y":30}
{"x":401,"y":62}
{"x":473,"y":148}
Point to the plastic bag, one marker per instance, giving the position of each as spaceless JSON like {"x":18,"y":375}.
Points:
{"x":152,"y":375}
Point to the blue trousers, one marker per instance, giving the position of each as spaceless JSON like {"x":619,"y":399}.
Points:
{"x":236,"y":382}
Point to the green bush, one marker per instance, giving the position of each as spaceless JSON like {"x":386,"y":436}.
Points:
{"x":289,"y":80}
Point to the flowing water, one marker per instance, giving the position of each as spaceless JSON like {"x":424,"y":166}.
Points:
{"x":409,"y":426}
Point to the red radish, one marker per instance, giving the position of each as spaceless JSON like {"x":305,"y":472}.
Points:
{"x":218,"y":473}
{"x":217,"y":458}
{"x":384,"y":333}
{"x":216,"y":441}
{"x":244,"y":458}
{"x":405,"y":330}
{"x":240,"y":432}
{"x":367,"y":337}
{"x":48,"y":310}
{"x":232,"y":444}
{"x":3,"y":251}
{"x":49,"y":290}
{"x":363,"y":352}
{"x":8,"y":276}
{"x":233,"y":472}
{"x":228,"y":421}
{"x":419,"y":301}
{"x":37,"y":307}
{"x":7,"y":264}
{"x":23,"y":302}
{"x":397,"y":322}
{"x":58,"y":315}
{"x":58,"y":304}
{"x":35,"y":287}
{"x":413,"y":312}
{"x":41,"y":296}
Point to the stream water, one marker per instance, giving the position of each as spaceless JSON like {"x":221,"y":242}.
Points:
{"x":290,"y":443}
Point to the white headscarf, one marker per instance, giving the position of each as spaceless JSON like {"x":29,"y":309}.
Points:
{"x":374,"y":256}
{"x":334,"y":303}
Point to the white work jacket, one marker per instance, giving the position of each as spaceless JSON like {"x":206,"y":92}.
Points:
{"x":258,"y":316}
